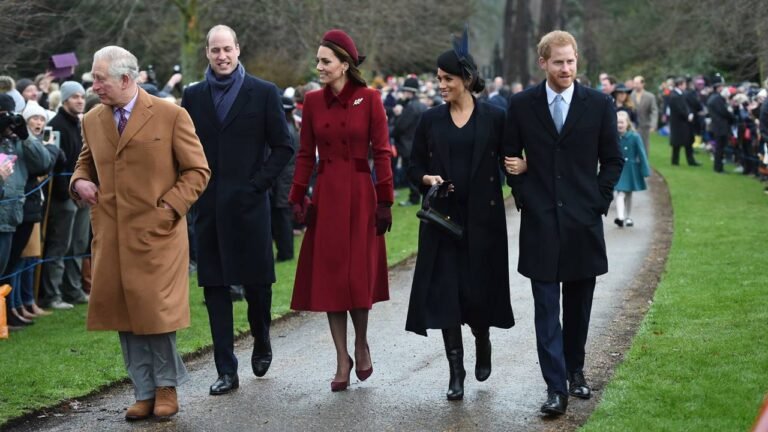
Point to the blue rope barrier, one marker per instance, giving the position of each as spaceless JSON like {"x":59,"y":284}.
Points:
{"x":42,"y":261}
{"x":37,"y":188}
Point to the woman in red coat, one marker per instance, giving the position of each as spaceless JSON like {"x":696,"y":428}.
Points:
{"x":342,"y":264}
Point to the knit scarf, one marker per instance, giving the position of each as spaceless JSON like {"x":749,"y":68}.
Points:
{"x":224,"y":90}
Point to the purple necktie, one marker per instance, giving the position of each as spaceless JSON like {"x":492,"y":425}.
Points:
{"x":122,"y":121}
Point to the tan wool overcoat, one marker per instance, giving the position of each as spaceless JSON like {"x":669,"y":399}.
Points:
{"x":140,"y":249}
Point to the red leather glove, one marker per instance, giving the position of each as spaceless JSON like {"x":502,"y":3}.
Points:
{"x":383,"y":218}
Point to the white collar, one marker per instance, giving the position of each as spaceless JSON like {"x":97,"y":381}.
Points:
{"x":567,"y":94}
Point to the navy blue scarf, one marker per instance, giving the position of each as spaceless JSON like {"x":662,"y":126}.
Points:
{"x":224,"y":89}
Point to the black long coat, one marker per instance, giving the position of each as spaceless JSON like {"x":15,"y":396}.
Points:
{"x":562,"y":195}
{"x":485,"y":221}
{"x":680,"y":129}
{"x":234,"y":240}
{"x":722,"y":119}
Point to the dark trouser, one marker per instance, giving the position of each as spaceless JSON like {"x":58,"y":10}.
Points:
{"x":219,"y":304}
{"x":561,"y":350}
{"x":688,"y":154}
{"x":18,"y":243}
{"x":67,"y":234}
{"x":191,"y":235}
{"x":282,"y":232}
{"x":748,"y":159}
{"x":720,"y":143}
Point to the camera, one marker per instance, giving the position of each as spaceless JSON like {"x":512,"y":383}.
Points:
{"x":151,"y":75}
{"x":13,"y":121}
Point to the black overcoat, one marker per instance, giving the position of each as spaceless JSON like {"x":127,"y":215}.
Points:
{"x":680,"y":129}
{"x":245,"y":153}
{"x":485,"y":220}
{"x":568,"y":185}
{"x":722,"y":119}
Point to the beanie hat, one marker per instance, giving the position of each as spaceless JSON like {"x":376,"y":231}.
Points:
{"x":69,"y":88}
{"x":411,"y":85}
{"x":7,"y":103}
{"x":343,"y":41}
{"x":288,"y":104}
{"x":33,"y":109}
{"x":23,"y":83}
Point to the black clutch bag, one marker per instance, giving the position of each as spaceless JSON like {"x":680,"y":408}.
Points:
{"x":433,"y":217}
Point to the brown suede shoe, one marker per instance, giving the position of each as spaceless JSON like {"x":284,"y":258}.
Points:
{"x":141,"y":410}
{"x":166,"y":404}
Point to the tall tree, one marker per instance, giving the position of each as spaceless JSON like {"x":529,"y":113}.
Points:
{"x":549,"y":17}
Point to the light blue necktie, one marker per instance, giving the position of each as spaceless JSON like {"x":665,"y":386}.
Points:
{"x":557,"y":113}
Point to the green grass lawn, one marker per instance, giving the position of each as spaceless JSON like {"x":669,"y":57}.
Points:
{"x":700,"y":359}
{"x":56,"y":359}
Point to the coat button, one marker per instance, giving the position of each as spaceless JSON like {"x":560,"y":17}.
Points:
{"x":492,"y":178}
{"x":493,"y":153}
{"x":343,"y":123}
{"x":559,"y":176}
{"x":430,"y":154}
{"x":344,"y":142}
{"x":493,"y":203}
{"x":559,"y":203}
{"x":327,"y":125}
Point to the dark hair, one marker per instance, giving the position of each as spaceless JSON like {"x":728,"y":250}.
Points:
{"x":466,"y":69}
{"x":353,"y":73}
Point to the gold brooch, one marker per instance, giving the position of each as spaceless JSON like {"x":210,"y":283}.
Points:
{"x":357,"y":101}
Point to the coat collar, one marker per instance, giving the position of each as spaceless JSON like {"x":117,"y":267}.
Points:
{"x":242,"y":99}
{"x":575,"y":111}
{"x":342,"y":98}
{"x":139,"y":116}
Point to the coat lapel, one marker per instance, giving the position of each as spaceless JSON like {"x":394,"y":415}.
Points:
{"x":108,"y":125}
{"x":243,"y":97}
{"x":575,"y":111}
{"x":541,"y":108}
{"x":139,"y":116}
{"x":438,"y":131}
{"x":209,"y":112}
{"x":481,"y":137}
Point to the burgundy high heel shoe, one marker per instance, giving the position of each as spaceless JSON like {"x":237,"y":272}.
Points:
{"x":342,"y":385}
{"x":363,"y":375}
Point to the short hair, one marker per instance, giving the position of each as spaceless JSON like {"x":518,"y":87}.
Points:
{"x":555,"y":38}
{"x":6,"y":84}
{"x":639,"y":78}
{"x":680,"y":80}
{"x":121,"y":61}
{"x":217,"y":28}
{"x":611,"y":79}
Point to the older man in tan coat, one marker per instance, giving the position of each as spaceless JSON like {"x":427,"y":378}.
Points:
{"x":140,"y":170}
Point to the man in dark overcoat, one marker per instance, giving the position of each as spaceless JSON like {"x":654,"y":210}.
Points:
{"x":236,"y":117}
{"x":681,"y":124}
{"x":569,"y":136}
{"x":722,"y":120}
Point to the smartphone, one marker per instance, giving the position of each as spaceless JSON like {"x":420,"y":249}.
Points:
{"x":7,"y":158}
{"x":47,"y":134}
{"x":56,"y":139}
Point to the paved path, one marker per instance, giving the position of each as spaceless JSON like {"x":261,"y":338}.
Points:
{"x":407,"y":390}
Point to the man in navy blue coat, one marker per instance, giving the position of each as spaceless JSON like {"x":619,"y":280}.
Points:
{"x":569,"y":137}
{"x":240,"y":122}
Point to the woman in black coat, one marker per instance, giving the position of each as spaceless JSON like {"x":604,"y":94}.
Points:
{"x":463,"y":281}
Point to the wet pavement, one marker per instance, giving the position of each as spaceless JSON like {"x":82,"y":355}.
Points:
{"x":407,"y":389}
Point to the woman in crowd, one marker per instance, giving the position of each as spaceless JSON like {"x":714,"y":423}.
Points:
{"x":30,"y":158}
{"x":624,"y":102}
{"x":342,"y":265}
{"x":635,"y":169}
{"x":466,"y":280}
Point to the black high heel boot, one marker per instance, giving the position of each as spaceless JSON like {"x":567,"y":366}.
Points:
{"x":454,"y":350}
{"x":483,"y":353}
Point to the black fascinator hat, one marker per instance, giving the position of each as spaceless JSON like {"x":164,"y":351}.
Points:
{"x":458,"y":61}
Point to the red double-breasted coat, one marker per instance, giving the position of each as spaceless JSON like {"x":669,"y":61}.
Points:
{"x":342,"y":264}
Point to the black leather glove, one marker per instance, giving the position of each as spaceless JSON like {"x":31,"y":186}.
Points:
{"x":21,"y":131}
{"x":383,"y":218}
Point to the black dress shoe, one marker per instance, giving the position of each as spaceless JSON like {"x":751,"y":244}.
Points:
{"x":555,"y":405}
{"x":261,"y":358}
{"x":578,"y":386}
{"x":225,"y":384}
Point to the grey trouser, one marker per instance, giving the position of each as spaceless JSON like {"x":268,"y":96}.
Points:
{"x":152,"y":361}
{"x":645,"y":132}
{"x":66,"y":235}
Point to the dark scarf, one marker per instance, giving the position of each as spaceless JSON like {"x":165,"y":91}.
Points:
{"x":224,"y":90}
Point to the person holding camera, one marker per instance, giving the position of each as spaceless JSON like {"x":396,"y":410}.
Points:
{"x":26,"y":154}
{"x":22,"y":306}
{"x":68,"y":223}
{"x":461,"y":280}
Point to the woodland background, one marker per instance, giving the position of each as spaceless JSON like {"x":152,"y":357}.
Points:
{"x":278,"y":39}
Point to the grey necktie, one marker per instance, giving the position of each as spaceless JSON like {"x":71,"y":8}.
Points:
{"x":557,"y":113}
